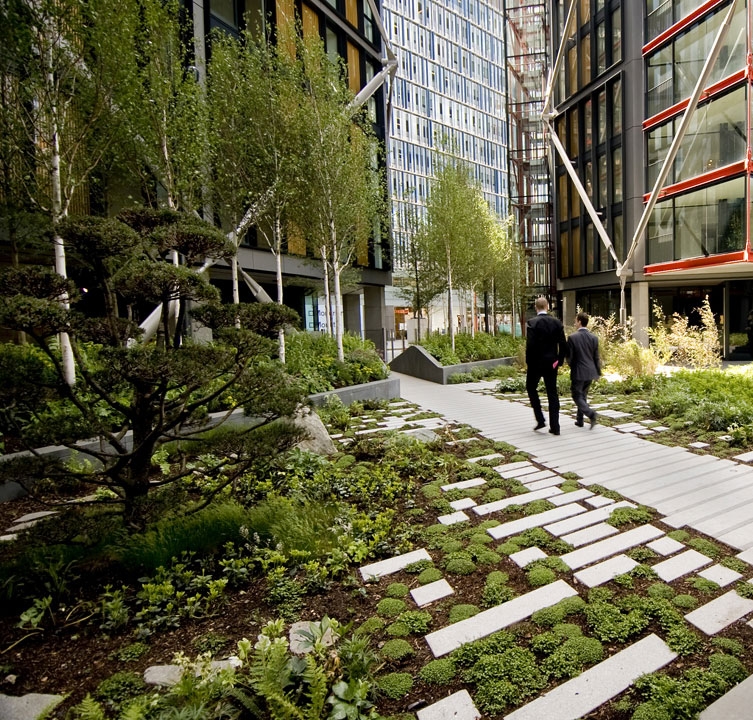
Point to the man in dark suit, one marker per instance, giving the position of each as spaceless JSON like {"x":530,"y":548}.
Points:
{"x":545,"y":352}
{"x":585,"y":367}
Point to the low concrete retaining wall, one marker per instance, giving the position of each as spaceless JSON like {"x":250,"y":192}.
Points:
{"x":387,"y":389}
{"x":418,"y":362}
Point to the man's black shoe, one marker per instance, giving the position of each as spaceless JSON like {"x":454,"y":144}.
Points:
{"x":592,"y":422}
{"x":578,"y":424}
{"x":554,"y":432}
{"x":540,"y":425}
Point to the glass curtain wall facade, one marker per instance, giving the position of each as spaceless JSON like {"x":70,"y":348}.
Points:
{"x":629,"y":72}
{"x":450,"y":87}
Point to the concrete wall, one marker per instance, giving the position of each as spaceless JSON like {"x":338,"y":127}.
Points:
{"x":416,"y":361}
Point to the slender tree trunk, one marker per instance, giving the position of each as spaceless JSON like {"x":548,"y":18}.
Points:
{"x":278,"y":269}
{"x":58,"y":212}
{"x":450,"y":314}
{"x":327,"y":296}
{"x":336,"y":270}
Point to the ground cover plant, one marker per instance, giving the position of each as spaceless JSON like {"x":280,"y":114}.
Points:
{"x":470,"y":348}
{"x":298,"y":530}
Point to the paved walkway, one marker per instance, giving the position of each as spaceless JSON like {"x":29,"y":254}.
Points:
{"x":710,"y":495}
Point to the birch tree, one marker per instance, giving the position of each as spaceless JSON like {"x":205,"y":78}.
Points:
{"x":62,"y":61}
{"x":344,"y":190}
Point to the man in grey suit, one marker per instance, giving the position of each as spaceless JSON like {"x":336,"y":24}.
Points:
{"x":545,"y":351}
{"x":585,"y":367}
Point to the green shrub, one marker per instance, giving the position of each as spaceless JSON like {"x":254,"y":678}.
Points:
{"x":660,"y":590}
{"x":555,"y":614}
{"x":119,"y":688}
{"x":685,"y":602}
{"x":545,"y":643}
{"x":395,"y":685}
{"x":419,"y":566}
{"x":609,"y":624}
{"x":728,"y":667}
{"x":429,"y":575}
{"x":735,"y":564}
{"x":397,"y":629}
{"x":628,"y":516}
{"x":703,"y":585}
{"x":706,"y":547}
{"x":570,"y":657}
{"x":396,"y":650}
{"x":369,"y":626}
{"x":438,"y":672}
{"x":418,"y":622}
{"x":462,"y":612}
{"x":540,"y":575}
{"x":469,"y":653}
{"x":460,"y":566}
{"x":390,"y":607}
{"x":683,"y":640}
{"x":679,"y":535}
{"x":728,"y":645}
{"x":397,"y":590}
{"x":744,"y":589}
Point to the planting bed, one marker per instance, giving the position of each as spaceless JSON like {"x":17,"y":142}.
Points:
{"x":510,"y":538}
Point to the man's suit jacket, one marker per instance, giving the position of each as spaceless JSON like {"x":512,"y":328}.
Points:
{"x":545,"y":342}
{"x":583,"y":355}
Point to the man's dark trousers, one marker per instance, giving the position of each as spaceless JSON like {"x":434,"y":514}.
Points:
{"x":533,"y":376}
{"x":579,"y":390}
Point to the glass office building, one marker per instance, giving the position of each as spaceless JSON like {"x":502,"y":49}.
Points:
{"x":628,"y":75}
{"x":450,"y":89}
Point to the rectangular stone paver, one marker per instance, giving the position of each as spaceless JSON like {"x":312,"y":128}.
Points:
{"x":599,"y":684}
{"x":518,"y":473}
{"x":589,"y":534}
{"x":527,"y":556}
{"x":589,"y":518}
{"x":525,"y":523}
{"x":546,"y":482}
{"x":513,"y":466}
{"x":574,"y":496}
{"x":453,"y":518}
{"x":605,"y":571}
{"x":530,"y":478}
{"x":458,"y":706}
{"x":611,"y":546}
{"x":492,"y":456}
{"x":523,"y":499}
{"x":734,"y":705}
{"x":679,"y":565}
{"x":721,"y":612}
{"x":599,"y":501}
{"x":464,"y":484}
{"x":426,"y":594}
{"x":490,"y":621}
{"x":721,"y":575}
{"x":665,"y":546}
{"x":745,"y":457}
{"x":463,"y":504}
{"x":393,"y":564}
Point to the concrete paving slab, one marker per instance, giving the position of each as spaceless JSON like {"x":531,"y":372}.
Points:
{"x":746,"y":556}
{"x":734,"y":705}
{"x":464,"y":484}
{"x":27,"y":707}
{"x":523,"y":499}
{"x":628,"y":427}
{"x":449,"y":638}
{"x":713,"y":503}
{"x":605,"y":571}
{"x":527,"y":556}
{"x":721,"y":575}
{"x":614,"y":414}
{"x":592,"y":517}
{"x":598,"y":501}
{"x":610,"y":546}
{"x":458,"y":706}
{"x":599,"y":684}
{"x":699,"y":445}
{"x":513,"y":466}
{"x":519,"y":473}
{"x":491,"y":456}
{"x":665,"y":546}
{"x":719,"y":613}
{"x":463,"y":504}
{"x":427,"y":594}
{"x":546,"y":482}
{"x":539,"y":520}
{"x":537,"y":476}
{"x":393,"y":564}
{"x":679,"y":565}
{"x":744,"y":457}
{"x":726,"y":521}
{"x":589,"y":535}
{"x":35,"y":516}
{"x":574,"y":496}
{"x":453,"y":518}
{"x":741,"y":538}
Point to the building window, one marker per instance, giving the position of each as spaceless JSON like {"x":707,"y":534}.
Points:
{"x":616,"y":36}
{"x":617,"y":175}
{"x":617,"y":109}
{"x":585,"y":60}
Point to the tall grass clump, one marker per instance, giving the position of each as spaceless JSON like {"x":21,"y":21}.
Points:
{"x":203,"y":532}
{"x":675,"y":341}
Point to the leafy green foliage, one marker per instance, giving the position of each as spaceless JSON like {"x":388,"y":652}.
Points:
{"x":429,"y":575}
{"x":557,"y":613}
{"x":397,"y":590}
{"x":396,"y":650}
{"x":395,"y":685}
{"x":438,"y":672}
{"x":628,"y":516}
{"x":570,"y":657}
{"x":610,"y":624}
{"x":462,"y":612}
{"x":390,"y":607}
{"x":481,"y":346}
